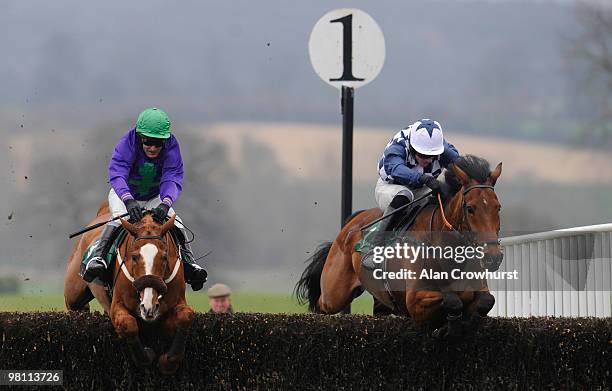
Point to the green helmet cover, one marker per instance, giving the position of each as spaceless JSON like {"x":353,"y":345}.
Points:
{"x":153,"y":122}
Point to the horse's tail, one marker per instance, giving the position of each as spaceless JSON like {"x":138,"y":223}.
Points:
{"x":308,"y":288}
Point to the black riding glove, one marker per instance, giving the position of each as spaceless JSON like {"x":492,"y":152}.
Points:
{"x":134,"y":210}
{"x":160,"y":213}
{"x":431,"y":182}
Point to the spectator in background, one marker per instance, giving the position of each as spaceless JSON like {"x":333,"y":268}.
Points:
{"x":219,"y":299}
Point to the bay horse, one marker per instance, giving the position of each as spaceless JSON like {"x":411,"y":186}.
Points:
{"x":149,"y":286}
{"x":334,"y":275}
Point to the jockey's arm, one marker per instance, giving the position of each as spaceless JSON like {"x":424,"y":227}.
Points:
{"x":449,"y":156}
{"x":171,"y":182}
{"x":120,"y":165}
{"x":395,"y":166}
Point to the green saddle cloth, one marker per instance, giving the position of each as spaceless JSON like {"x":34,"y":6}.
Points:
{"x":111,"y":255}
{"x":365,"y":244}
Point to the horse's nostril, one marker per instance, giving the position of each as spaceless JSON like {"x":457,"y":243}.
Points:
{"x":156,"y":306}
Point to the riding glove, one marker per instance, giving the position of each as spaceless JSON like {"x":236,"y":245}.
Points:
{"x":160,"y":213}
{"x":431,"y":182}
{"x":134,"y":210}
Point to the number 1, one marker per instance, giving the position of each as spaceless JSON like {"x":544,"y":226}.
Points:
{"x":347,"y":48}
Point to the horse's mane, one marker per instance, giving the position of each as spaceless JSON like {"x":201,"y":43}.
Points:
{"x":476,"y":167}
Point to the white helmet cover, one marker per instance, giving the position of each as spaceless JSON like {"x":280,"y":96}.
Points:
{"x":426,"y":137}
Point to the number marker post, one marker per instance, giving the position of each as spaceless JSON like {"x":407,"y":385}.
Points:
{"x":347,"y":51}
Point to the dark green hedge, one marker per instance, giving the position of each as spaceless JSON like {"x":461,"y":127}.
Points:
{"x":268,"y":352}
{"x":9,"y":284}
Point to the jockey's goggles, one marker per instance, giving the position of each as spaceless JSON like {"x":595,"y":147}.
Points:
{"x":426,"y":156}
{"x":152,"y":142}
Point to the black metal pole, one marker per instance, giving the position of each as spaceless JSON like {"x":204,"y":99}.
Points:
{"x":348,"y":94}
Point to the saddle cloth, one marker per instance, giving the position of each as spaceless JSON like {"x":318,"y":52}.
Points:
{"x":366,"y":244}
{"x":110,"y":258}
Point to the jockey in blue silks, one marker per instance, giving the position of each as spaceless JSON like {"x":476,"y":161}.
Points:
{"x":410,"y":166}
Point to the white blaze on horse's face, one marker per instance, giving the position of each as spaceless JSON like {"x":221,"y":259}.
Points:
{"x":148,"y":305}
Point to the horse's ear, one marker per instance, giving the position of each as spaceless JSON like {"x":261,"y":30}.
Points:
{"x":495,"y":174}
{"x":463,"y":178}
{"x":167,"y":225}
{"x":131,"y":228}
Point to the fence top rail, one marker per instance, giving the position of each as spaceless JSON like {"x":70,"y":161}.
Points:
{"x":559,"y":233}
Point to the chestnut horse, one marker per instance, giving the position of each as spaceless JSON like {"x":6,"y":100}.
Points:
{"x":148,"y":284}
{"x":335,"y":275}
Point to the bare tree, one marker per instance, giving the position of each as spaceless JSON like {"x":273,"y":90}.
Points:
{"x":589,"y":51}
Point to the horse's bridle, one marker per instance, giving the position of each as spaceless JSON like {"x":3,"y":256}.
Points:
{"x":161,"y":284}
{"x":464,"y":222}
{"x":156,"y":237}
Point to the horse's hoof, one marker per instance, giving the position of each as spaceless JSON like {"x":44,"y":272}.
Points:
{"x":148,"y":359}
{"x":168,"y":366}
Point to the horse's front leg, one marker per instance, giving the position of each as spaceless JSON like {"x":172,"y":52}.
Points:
{"x":480,"y":306}
{"x":127,"y":328}
{"x":452,"y":305}
{"x":177,"y":323}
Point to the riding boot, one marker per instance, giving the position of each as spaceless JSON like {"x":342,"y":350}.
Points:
{"x":389,"y":224}
{"x":97,"y":264}
{"x":195,"y":275}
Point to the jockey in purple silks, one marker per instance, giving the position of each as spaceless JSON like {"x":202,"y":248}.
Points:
{"x":146,"y":171}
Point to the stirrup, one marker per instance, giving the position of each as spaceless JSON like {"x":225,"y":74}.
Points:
{"x":96,"y":260}
{"x":94,"y":269}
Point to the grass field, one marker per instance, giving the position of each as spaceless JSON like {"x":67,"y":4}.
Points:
{"x":242,"y":302}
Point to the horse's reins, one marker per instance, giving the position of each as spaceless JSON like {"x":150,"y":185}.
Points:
{"x":448,"y":225}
